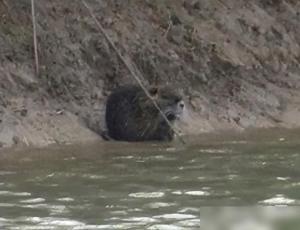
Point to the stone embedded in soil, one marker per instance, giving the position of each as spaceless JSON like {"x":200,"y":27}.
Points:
{"x":16,"y":140}
{"x":23,"y":112}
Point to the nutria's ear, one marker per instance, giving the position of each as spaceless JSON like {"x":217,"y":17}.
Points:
{"x":153,"y":91}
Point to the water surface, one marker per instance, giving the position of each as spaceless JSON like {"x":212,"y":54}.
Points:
{"x":147,"y":186}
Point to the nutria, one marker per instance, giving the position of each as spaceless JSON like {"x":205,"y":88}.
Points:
{"x":132,"y":116}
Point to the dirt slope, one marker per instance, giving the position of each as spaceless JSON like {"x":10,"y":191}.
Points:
{"x":237,"y":62}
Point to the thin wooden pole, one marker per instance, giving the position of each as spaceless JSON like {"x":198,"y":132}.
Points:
{"x":35,"y":45}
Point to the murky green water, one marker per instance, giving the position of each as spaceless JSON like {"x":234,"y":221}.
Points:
{"x":146,"y":186}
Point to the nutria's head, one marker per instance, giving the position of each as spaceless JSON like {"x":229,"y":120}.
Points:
{"x":169,"y":100}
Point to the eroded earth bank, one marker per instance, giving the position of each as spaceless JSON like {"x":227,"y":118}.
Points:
{"x":237,"y":63}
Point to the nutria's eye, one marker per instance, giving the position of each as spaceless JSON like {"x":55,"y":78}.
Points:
{"x":177,"y":100}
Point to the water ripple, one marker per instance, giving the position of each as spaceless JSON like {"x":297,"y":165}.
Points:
{"x":176,"y":216}
{"x":147,"y":195}
{"x":5,"y":173}
{"x":34,"y":200}
{"x":197,"y":193}
{"x":65,"y":199}
{"x":278,"y":200}
{"x":191,"y":193}
{"x":165,"y":227}
{"x":156,"y":205}
{"x":10,"y":193}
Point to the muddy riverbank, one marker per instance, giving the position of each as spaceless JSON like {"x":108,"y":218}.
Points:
{"x":236,"y":61}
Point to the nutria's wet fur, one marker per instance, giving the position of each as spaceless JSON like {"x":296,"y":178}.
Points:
{"x":132,"y":116}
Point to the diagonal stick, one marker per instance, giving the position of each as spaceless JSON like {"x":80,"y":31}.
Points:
{"x":102,"y":30}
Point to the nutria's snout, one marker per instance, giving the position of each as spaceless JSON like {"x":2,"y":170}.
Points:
{"x":175,"y":112}
{"x":171,"y":116}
